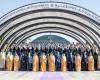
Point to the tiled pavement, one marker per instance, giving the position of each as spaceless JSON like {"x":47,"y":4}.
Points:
{"x":25,"y":75}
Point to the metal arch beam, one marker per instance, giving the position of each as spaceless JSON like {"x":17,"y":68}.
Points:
{"x":63,"y":21}
{"x":54,"y":21}
{"x":48,"y":24}
{"x":70,"y":14}
{"x":66,"y":6}
{"x":29,"y":34}
{"x":48,"y":30}
{"x":74,"y":31}
{"x":71,"y":34}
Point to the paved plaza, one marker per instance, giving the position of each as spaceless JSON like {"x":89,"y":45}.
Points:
{"x":7,"y":75}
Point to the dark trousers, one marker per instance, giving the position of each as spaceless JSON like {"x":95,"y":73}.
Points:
{"x":58,"y":68}
{"x":84,"y":66}
{"x":70,"y":66}
{"x":29,"y":66}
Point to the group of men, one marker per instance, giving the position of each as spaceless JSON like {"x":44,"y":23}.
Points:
{"x":60,"y":61}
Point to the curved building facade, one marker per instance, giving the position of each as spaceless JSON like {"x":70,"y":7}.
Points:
{"x":53,"y":41}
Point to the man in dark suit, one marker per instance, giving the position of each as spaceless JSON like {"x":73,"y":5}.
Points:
{"x":58,"y":62}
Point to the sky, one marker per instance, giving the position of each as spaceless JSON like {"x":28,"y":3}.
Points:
{"x":8,"y":5}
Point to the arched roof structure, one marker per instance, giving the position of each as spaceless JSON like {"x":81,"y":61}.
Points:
{"x":60,"y":17}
